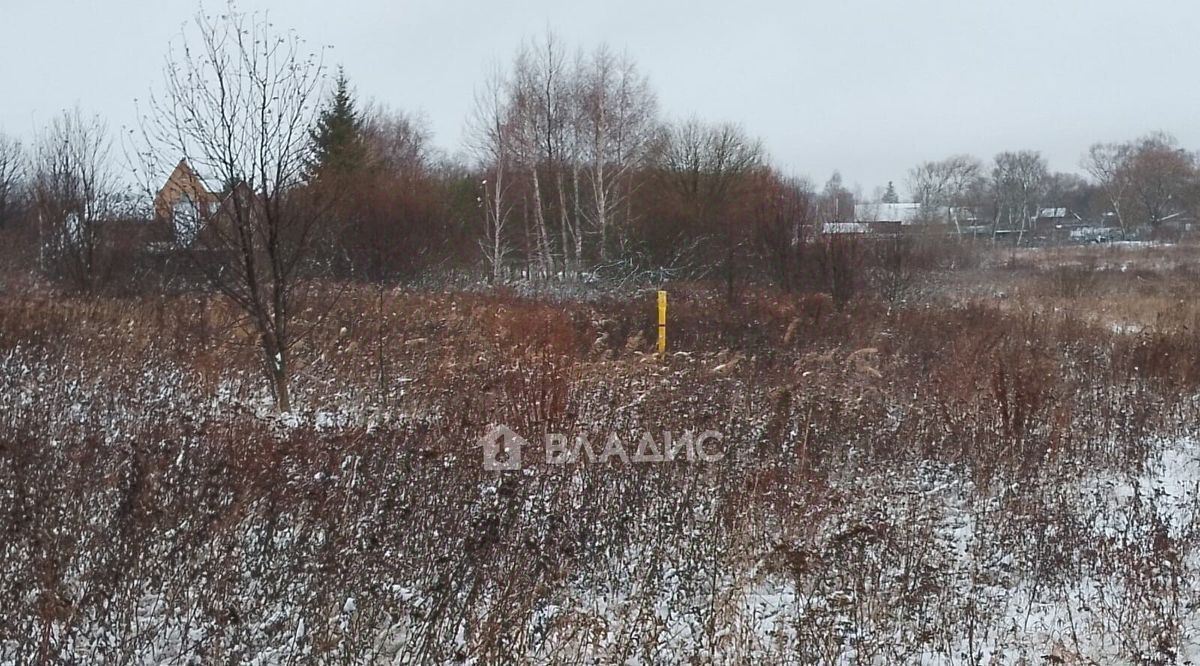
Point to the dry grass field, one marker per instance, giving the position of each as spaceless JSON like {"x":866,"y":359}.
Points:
{"x":997,"y":463}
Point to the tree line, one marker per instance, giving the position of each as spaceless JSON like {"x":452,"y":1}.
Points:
{"x":571,"y":173}
{"x":1137,"y":184}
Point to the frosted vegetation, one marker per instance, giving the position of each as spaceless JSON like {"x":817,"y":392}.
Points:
{"x":242,"y":399}
{"x":952,"y":479}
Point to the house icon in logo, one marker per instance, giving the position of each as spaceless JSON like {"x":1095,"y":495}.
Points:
{"x":502,"y":449}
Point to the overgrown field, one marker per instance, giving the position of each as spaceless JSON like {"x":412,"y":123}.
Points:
{"x":996,"y":464}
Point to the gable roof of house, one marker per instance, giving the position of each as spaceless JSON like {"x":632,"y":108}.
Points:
{"x":183,"y":182}
{"x":184,"y":173}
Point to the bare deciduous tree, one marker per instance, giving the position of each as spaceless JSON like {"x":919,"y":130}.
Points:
{"x":836,"y":202}
{"x":945,"y":185}
{"x":239,"y":100}
{"x":781,"y":214}
{"x":542,"y":93}
{"x":1160,"y":173}
{"x":74,"y":193}
{"x":1018,"y":181}
{"x":388,"y":206}
{"x":1144,"y":181}
{"x":12,"y":176}
{"x":573,"y":134}
{"x":1108,"y":163}
{"x":492,"y":135}
{"x":615,"y":127}
{"x":396,"y":142}
{"x":707,"y":165}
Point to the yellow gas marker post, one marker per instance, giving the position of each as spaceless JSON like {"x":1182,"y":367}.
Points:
{"x":662,"y":322}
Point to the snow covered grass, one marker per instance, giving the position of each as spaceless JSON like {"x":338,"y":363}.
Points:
{"x":944,"y":480}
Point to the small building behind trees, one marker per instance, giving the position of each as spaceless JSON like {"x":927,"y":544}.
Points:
{"x":182,"y":203}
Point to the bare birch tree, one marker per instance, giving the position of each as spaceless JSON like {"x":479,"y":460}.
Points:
{"x":616,"y":124}
{"x":575,"y":132}
{"x":543,"y":93}
{"x":1018,"y":179}
{"x":531,"y":99}
{"x":239,"y":99}
{"x":491,"y":137}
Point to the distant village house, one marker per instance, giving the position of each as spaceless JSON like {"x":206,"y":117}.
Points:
{"x":183,"y":203}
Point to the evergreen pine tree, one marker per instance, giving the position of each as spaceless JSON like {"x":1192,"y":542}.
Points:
{"x":890,"y":196}
{"x":338,"y":136}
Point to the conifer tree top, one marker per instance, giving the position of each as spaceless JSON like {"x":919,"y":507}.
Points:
{"x":890,"y":196}
{"x":337,"y":136}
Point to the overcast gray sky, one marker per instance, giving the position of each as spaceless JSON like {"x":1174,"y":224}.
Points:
{"x":867,"y":87}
